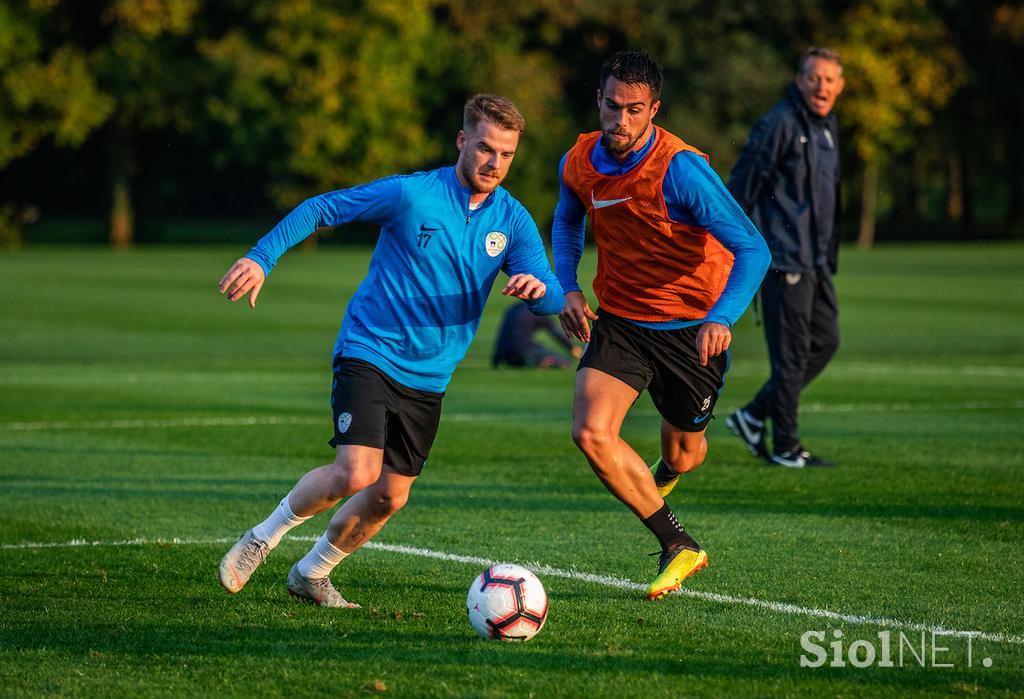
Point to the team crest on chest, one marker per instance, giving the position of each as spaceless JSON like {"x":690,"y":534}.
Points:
{"x":494,"y":243}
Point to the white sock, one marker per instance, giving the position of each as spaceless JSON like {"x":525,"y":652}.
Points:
{"x":320,"y":560}
{"x":280,"y":521}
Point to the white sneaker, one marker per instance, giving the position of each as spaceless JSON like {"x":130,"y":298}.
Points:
{"x":790,"y":459}
{"x":801,"y":458}
{"x":238,"y":564}
{"x":753,"y":435}
{"x":319,"y":592}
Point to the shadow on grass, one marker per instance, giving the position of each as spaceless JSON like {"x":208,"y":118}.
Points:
{"x":535,"y":497}
{"x":161,"y":606}
{"x":377,"y":644}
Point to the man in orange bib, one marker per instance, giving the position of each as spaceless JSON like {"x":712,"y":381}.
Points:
{"x":678,"y":263}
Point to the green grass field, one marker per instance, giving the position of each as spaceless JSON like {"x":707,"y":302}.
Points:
{"x":152,"y":422}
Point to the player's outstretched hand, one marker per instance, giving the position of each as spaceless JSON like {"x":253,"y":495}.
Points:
{"x":574,"y":316}
{"x":525,"y":286}
{"x":712,"y":340}
{"x":244,"y":276}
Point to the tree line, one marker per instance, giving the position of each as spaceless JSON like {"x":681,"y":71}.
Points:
{"x":271,"y":101}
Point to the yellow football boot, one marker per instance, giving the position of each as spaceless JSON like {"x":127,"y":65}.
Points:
{"x":664,"y":477}
{"x":677,"y":564}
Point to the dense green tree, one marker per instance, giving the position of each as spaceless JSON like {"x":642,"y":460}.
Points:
{"x":305,"y":97}
{"x":118,"y":68}
{"x":325,"y":96}
{"x":516,"y":50}
{"x":900,"y":69}
{"x":982,"y":149}
{"x":46,"y":91}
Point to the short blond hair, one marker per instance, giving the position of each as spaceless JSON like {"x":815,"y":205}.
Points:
{"x":498,"y":110}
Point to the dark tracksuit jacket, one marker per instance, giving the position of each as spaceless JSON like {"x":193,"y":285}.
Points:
{"x":787,"y":180}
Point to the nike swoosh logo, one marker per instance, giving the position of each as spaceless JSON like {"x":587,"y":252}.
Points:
{"x":698,"y":420}
{"x":424,"y":227}
{"x":602,"y":203}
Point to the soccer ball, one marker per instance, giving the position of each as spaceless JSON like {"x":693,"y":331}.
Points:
{"x":507,"y":602}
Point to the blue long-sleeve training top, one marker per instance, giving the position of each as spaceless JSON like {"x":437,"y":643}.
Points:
{"x":419,"y":306}
{"x":694,"y":196}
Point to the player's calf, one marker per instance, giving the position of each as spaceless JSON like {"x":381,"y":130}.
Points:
{"x":665,"y":477}
{"x":683,"y":458}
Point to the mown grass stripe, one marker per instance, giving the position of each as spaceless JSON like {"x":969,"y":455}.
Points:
{"x":597,"y":579}
{"x":262,"y":420}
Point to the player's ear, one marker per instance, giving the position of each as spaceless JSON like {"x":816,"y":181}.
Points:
{"x":460,"y":140}
{"x":655,"y":106}
{"x":599,"y":98}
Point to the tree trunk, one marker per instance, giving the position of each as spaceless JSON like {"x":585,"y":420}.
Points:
{"x":868,"y":206}
{"x":122,"y":218}
{"x":122,"y":213}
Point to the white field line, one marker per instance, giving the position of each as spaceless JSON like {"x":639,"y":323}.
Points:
{"x":160,"y":424}
{"x":572,"y":574}
{"x":254,"y":420}
{"x":873,"y":368}
{"x":911,"y":407}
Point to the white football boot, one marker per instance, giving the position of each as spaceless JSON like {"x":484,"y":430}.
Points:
{"x":319,"y":592}
{"x":238,"y":564}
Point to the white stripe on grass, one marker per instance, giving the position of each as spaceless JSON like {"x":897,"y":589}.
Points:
{"x":572,"y":574}
{"x":161,"y":424}
{"x":259,"y":420}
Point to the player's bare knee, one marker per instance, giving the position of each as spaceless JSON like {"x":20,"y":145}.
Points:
{"x":349,"y":479}
{"x":386,"y":504}
{"x":590,"y":440}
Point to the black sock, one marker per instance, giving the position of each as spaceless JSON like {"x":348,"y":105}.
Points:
{"x":663,"y":474}
{"x":664,"y":525}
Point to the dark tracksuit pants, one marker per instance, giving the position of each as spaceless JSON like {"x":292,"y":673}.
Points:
{"x":801,"y":327}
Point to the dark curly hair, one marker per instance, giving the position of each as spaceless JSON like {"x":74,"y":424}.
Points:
{"x":633,"y":68}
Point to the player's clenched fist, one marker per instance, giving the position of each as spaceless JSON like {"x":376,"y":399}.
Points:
{"x":712,"y":340}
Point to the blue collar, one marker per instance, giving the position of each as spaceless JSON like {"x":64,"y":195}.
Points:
{"x":453,"y":181}
{"x":604,"y":163}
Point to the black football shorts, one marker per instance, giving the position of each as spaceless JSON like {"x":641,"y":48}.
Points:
{"x":372,"y":409}
{"x":665,"y":362}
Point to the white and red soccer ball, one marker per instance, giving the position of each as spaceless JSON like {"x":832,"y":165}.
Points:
{"x":507,"y":602}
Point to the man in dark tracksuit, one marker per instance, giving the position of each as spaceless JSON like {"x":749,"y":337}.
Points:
{"x":516,"y":347}
{"x":787,"y":180}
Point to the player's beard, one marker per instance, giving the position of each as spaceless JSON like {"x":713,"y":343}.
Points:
{"x":621,"y":148}
{"x":476,"y":183}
